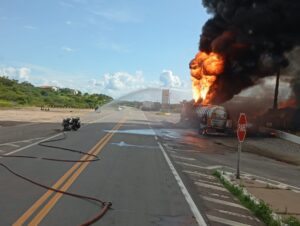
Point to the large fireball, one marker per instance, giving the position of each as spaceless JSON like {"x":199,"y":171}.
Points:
{"x":205,"y":68}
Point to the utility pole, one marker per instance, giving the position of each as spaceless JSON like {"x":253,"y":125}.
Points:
{"x":275,"y":104}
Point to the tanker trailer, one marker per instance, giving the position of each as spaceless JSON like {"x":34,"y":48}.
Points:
{"x":207,"y":118}
{"x":213,"y":118}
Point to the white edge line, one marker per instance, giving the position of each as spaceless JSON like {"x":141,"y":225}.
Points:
{"x":48,"y":138}
{"x":30,"y":145}
{"x":199,"y":218}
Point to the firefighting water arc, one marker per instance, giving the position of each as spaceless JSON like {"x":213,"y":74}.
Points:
{"x":205,"y":68}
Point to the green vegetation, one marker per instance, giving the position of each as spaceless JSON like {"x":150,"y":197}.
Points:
{"x":260,"y":210}
{"x":15,"y":94}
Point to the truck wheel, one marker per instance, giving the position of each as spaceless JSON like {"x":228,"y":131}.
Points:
{"x":202,"y":131}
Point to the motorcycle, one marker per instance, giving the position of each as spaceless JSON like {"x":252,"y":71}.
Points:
{"x":71,"y":124}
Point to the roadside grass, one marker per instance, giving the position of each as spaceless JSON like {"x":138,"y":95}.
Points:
{"x":260,"y":209}
{"x":6,"y":104}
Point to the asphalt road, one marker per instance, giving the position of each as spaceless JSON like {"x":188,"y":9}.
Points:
{"x":136,"y":179}
{"x":151,"y":172}
{"x":221,"y":151}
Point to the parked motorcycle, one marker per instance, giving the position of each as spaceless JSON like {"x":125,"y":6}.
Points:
{"x":71,"y":124}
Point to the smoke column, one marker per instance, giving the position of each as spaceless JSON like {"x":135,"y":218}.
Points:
{"x":254,"y":37}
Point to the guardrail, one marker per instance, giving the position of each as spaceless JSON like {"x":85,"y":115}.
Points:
{"x":283,"y":135}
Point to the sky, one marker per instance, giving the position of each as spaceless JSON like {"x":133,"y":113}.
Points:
{"x":100,"y":46}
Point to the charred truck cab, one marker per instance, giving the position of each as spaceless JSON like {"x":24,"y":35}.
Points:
{"x":208,"y":118}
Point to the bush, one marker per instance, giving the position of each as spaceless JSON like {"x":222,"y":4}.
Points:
{"x":5,"y":104}
{"x":25,"y":94}
{"x":261,"y":209}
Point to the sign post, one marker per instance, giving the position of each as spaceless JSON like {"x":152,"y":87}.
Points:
{"x":241,"y":134}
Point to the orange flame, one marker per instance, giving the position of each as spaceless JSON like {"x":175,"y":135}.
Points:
{"x":204,"y":71}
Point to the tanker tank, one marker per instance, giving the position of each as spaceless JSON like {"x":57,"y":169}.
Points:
{"x":207,"y":118}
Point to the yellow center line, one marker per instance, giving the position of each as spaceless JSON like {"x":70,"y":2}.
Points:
{"x":40,"y":216}
{"x":42,"y":199}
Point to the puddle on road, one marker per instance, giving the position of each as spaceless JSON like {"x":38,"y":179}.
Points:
{"x":124,"y":144}
{"x":146,"y":132}
{"x":170,"y":134}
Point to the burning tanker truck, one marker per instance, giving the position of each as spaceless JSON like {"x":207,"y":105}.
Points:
{"x":238,"y":47}
{"x":207,"y":118}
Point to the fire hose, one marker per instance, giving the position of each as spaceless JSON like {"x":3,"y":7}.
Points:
{"x":105,"y":205}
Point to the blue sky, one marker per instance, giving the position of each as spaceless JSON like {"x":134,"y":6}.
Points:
{"x":111,"y":47}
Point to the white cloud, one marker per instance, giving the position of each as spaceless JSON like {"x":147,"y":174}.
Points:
{"x":119,"y":16}
{"x":113,"y":46}
{"x":21,"y":74}
{"x":168,"y":79}
{"x":66,"y":4}
{"x":119,"y":83}
{"x":67,"y":49}
{"x":29,"y":27}
{"x":24,"y":73}
{"x":52,"y":83}
{"x":68,"y":22}
{"x":114,"y":84}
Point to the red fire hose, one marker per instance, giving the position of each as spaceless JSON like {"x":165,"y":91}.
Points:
{"x":105,"y":205}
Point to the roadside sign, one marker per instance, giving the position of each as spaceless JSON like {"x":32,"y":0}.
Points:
{"x":242,"y":125}
{"x":241,"y":134}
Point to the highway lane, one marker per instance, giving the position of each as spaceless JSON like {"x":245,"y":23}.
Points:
{"x":211,"y":151}
{"x":132,"y":174}
{"x":19,"y":195}
{"x":22,"y":133}
{"x":25,"y":134}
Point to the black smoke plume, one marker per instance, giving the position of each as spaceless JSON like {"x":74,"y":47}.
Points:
{"x":253,"y":36}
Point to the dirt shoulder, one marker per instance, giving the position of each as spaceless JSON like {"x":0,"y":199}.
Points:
{"x":13,"y":117}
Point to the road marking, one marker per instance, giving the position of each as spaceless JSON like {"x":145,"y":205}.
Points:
{"x":293,"y":188}
{"x":200,"y":167}
{"x":237,"y":215}
{"x":196,"y":173}
{"x":46,"y":195}
{"x":21,"y":141}
{"x":185,"y":150}
{"x":222,"y":202}
{"x":29,"y":140}
{"x":30,"y":145}
{"x":267,"y":180}
{"x":46,"y":209}
{"x":209,"y":182}
{"x":210,"y":186}
{"x":183,"y":158}
{"x":225,"y":221}
{"x":22,"y":125}
{"x":11,"y":144}
{"x":199,"y":218}
{"x":48,"y":138}
{"x":220,"y":196}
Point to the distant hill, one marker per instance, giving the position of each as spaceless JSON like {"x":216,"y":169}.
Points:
{"x":14,"y":94}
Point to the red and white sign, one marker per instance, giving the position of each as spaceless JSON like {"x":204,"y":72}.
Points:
{"x":242,"y":125}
